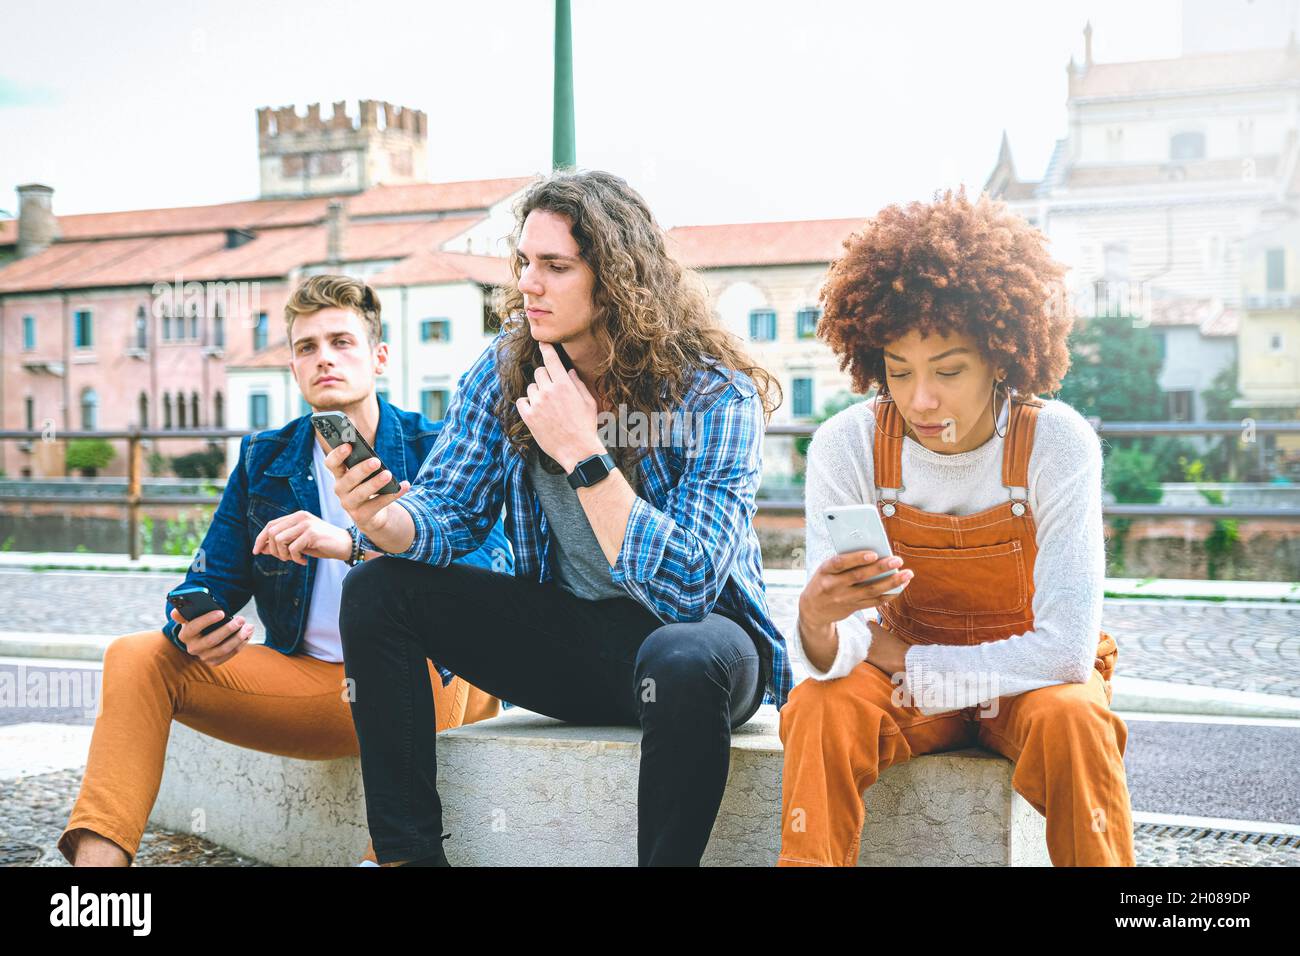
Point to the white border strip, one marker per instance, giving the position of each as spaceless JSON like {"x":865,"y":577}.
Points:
{"x":1217,"y":823}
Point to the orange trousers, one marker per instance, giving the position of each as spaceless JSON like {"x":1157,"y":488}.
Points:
{"x":291,"y":705}
{"x":1067,"y":745}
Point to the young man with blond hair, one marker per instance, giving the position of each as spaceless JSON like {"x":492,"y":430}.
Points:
{"x":280,"y":537}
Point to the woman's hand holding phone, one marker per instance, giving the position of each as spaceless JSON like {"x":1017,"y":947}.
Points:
{"x":837,"y":589}
{"x":219,"y":646}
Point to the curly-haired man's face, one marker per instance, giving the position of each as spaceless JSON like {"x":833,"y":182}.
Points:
{"x":942,"y":381}
{"x":556,"y":282}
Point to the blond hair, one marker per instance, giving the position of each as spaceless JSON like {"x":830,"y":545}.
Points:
{"x":335,"y":292}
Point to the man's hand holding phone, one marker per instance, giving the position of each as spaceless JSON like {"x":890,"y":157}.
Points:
{"x":218,"y":647}
{"x":357,"y":488}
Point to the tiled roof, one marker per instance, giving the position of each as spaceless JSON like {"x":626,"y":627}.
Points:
{"x":430,"y":268}
{"x":1208,"y":315}
{"x":379,"y":201}
{"x":274,"y":356}
{"x":1200,"y":71}
{"x":761,"y":243}
{"x":204,"y":256}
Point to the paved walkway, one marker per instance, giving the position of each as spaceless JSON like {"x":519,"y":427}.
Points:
{"x":1248,"y":646}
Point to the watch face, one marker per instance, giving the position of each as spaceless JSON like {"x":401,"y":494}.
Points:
{"x":592,"y":470}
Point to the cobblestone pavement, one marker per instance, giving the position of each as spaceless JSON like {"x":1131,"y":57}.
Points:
{"x":1237,"y":646}
{"x":34,"y":810}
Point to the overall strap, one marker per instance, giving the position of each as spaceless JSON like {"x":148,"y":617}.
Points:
{"x":887,"y":450}
{"x":1019,"y":443}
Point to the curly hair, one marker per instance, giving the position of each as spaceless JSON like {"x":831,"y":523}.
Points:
{"x":654,"y":321}
{"x":950,"y":266}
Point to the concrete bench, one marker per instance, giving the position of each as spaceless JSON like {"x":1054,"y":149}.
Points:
{"x":526,"y":790}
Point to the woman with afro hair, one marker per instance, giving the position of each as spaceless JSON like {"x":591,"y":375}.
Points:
{"x":991,"y":500}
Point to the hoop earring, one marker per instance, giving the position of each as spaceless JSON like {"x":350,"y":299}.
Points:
{"x":883,"y":395}
{"x":1006,"y":397}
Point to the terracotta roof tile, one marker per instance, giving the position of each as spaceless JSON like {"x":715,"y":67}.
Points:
{"x":761,"y":243}
{"x":1200,"y":71}
{"x":431,"y":268}
{"x":412,"y":198}
{"x":273,"y":356}
{"x":204,"y":256}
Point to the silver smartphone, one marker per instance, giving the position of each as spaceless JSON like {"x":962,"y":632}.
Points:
{"x":337,"y":429}
{"x":859,"y":528}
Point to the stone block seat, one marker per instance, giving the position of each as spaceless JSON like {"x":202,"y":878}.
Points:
{"x":525,"y":790}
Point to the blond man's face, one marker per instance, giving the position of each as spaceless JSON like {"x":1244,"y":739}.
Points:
{"x":333,"y":361}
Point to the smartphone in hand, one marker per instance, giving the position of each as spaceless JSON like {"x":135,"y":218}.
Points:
{"x":193,"y":600}
{"x":859,"y":528}
{"x":337,"y":429}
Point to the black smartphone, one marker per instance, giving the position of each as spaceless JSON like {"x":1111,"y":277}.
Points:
{"x":337,"y":429}
{"x":193,"y":600}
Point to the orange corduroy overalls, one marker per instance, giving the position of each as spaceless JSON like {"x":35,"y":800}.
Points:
{"x":973,"y":583}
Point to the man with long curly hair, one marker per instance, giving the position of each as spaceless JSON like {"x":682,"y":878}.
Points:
{"x":637,"y":595}
{"x":991,"y":501}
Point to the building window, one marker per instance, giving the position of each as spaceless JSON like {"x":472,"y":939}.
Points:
{"x":435,"y":330}
{"x":433,"y":403}
{"x":383,"y":331}
{"x":194,"y":410}
{"x":1275,"y":269}
{"x":1275,"y":342}
{"x":805,"y":322}
{"x":167,"y":327}
{"x":180,"y":410}
{"x":260,"y":332}
{"x":1161,"y":346}
{"x":142,"y":406}
{"x":29,"y":413}
{"x":1178,"y":405}
{"x":29,"y":333}
{"x":762,"y":325}
{"x":89,"y":410}
{"x":803,"y":398}
{"x":83,"y":329}
{"x":141,"y":328}
{"x":258,"y":410}
{"x":194,"y":323}
{"x":1184,"y":146}
{"x":218,"y":411}
{"x":167,"y":410}
{"x":219,"y":331}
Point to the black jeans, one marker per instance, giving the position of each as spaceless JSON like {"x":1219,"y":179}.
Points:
{"x":540,"y":647}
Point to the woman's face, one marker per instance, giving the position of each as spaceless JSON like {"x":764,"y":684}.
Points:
{"x":942,"y":381}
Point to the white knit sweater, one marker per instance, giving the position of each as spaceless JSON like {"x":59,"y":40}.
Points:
{"x":1065,"y":499}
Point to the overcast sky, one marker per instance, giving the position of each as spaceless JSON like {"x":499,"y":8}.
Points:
{"x":716,"y":111}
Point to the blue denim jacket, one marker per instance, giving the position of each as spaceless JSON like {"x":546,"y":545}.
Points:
{"x":274,"y":478}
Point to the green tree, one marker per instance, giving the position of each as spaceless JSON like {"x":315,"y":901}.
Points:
{"x":87,"y":455}
{"x":1114,"y":371}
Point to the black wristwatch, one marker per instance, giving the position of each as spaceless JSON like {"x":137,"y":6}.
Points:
{"x":591,"y":470}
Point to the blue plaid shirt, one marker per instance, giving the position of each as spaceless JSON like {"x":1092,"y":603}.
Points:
{"x":690,"y":545}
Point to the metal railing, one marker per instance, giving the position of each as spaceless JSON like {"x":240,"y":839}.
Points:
{"x":134,"y":499}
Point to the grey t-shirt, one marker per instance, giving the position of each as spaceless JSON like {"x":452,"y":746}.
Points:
{"x":579,"y":564}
